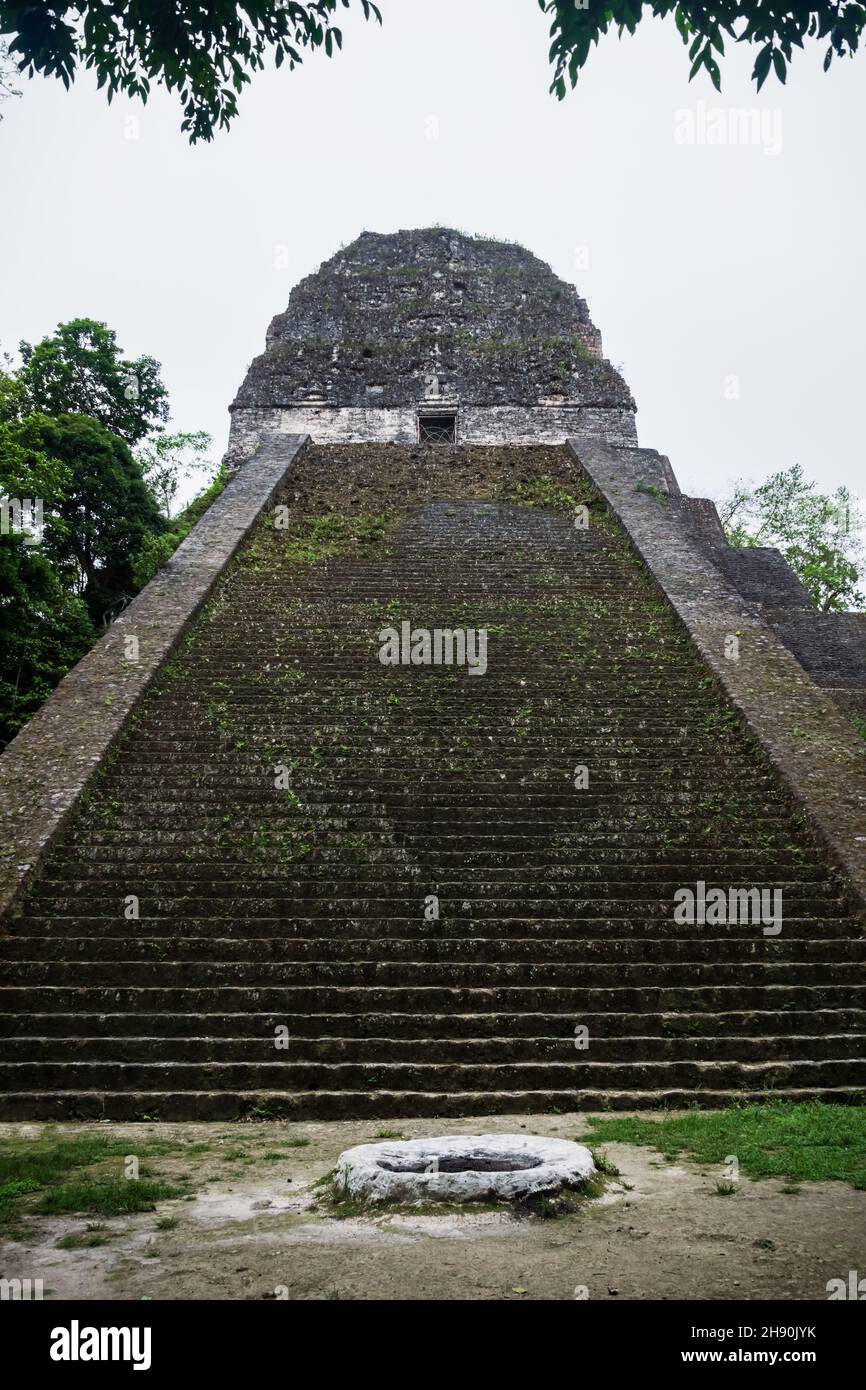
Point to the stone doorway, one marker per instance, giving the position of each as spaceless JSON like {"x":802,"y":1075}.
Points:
{"x":440,"y":428}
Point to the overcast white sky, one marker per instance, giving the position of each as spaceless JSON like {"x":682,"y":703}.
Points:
{"x":705,"y":263}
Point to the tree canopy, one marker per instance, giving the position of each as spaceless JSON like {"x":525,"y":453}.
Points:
{"x":208,"y":53}
{"x":818,"y":534}
{"x":98,"y":523}
{"x":8,"y":73}
{"x":167,"y":460}
{"x":80,"y":370}
{"x":82,"y":517}
{"x":44,"y":627}
{"x":774,"y":27}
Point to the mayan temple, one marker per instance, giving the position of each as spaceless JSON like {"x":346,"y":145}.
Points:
{"x":455,"y":764}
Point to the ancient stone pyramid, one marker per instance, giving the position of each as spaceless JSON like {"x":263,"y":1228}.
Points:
{"x":249,"y":868}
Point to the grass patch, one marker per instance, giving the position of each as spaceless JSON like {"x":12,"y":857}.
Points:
{"x":79,"y":1173}
{"x":11,"y":1191}
{"x":810,"y":1142}
{"x":552,"y":1206}
{"x":604,"y":1165}
{"x":105,"y":1196}
{"x":298,"y":1143}
{"x":92,"y":1236}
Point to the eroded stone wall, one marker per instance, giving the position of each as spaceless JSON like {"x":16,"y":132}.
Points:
{"x":476,"y":425}
{"x":433,"y":320}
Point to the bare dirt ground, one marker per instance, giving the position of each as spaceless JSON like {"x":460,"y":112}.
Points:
{"x":253,"y":1228}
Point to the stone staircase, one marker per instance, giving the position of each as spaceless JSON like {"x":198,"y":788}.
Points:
{"x":288,"y":813}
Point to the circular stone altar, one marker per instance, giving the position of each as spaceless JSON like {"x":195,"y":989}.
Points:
{"x":462,"y":1168}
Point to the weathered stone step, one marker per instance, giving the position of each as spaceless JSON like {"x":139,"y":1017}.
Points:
{"x":378,"y":1105}
{"x":603,"y":700}
{"x":552,"y":778}
{"x":273,"y":901}
{"x":473,"y":803}
{"x":568,"y":820}
{"x":487,"y":897}
{"x":624,"y":860}
{"x":381,"y":862}
{"x":290,"y":928}
{"x":604,"y":696}
{"x":421,"y":1076}
{"x":542,"y":826}
{"x":739,"y":945}
{"x":648,"y":708}
{"x":329,"y":999}
{"x":453,"y":1026}
{"x":570,"y":846}
{"x":761,"y":972}
{"x":571,"y":808}
{"x":410,"y":742}
{"x":560,"y":1047}
{"x":164,"y":862}
{"x":630,"y":731}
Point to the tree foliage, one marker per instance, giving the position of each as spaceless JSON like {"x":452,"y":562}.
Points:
{"x":96,"y":528}
{"x":818,"y":535}
{"x":775,"y":27}
{"x":166,"y":460}
{"x":8,"y":73}
{"x":27,"y":471}
{"x":13,"y":398}
{"x":44,"y":630}
{"x":80,"y":370}
{"x":103,"y":533}
{"x":207,"y":53}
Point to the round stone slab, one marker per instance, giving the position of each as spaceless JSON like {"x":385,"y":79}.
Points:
{"x":461,"y":1168}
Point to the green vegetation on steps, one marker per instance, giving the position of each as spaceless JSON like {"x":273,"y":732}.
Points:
{"x":308,"y":540}
{"x":549,"y":492}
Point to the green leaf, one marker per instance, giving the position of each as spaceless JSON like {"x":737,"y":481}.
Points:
{"x":762,"y":65}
